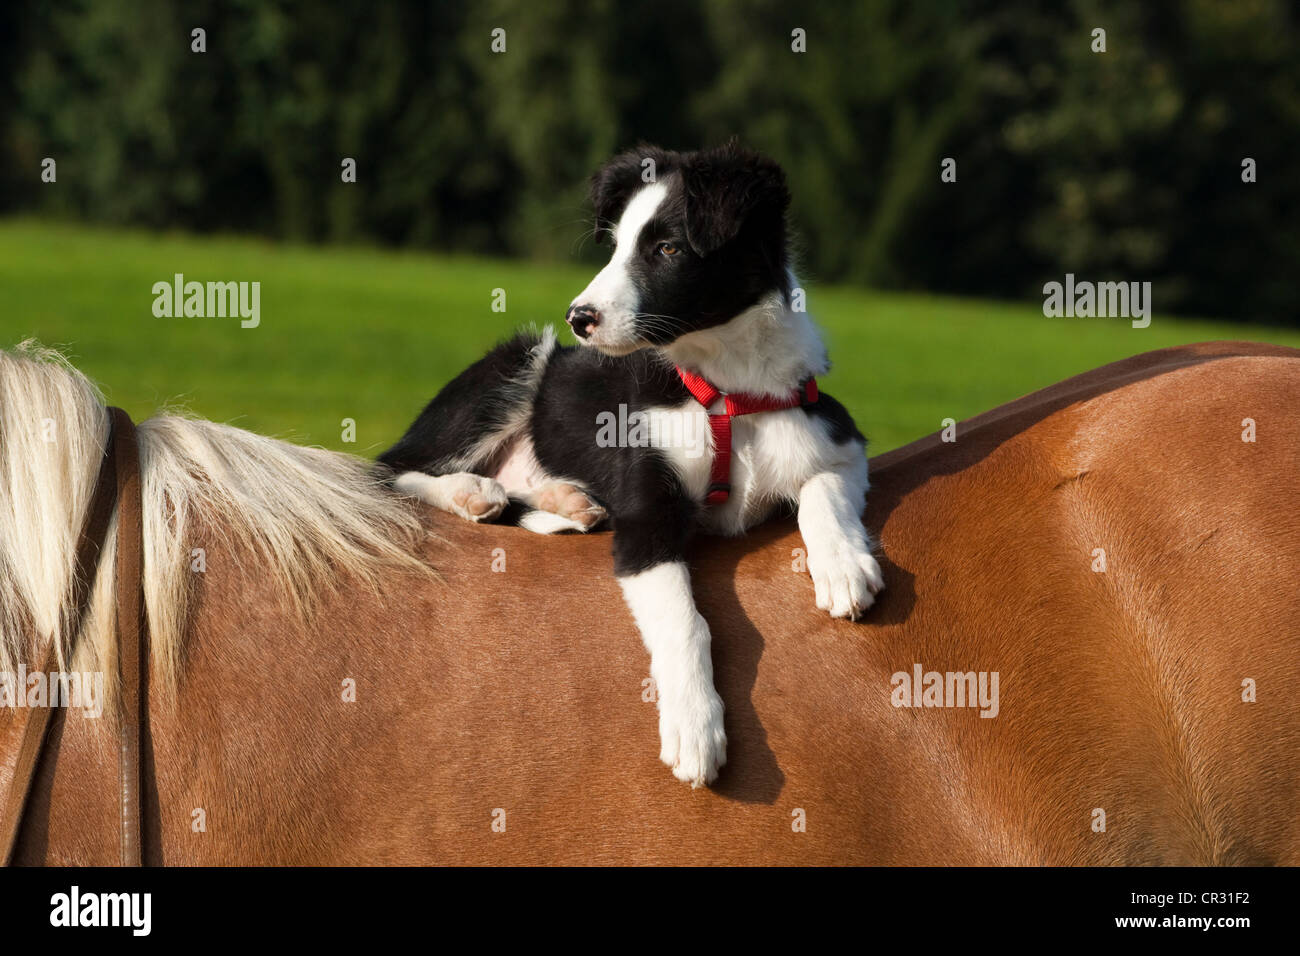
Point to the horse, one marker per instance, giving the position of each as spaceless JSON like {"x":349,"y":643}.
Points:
{"x":1085,"y":655}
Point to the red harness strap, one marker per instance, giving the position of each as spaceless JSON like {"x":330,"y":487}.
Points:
{"x":735,"y":403}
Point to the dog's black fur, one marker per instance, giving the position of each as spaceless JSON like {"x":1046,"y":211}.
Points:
{"x":725,"y":213}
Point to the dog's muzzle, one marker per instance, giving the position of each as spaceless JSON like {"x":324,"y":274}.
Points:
{"x":583,"y":319}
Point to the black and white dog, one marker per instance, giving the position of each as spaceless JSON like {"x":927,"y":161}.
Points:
{"x":696,"y":308}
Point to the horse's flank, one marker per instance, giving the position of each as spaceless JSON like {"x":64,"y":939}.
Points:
{"x":500,"y":715}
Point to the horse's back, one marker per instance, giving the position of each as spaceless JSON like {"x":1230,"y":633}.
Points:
{"x":1111,"y":549}
{"x":1125,"y":552}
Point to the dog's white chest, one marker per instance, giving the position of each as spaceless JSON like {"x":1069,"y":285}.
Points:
{"x":772,"y":455}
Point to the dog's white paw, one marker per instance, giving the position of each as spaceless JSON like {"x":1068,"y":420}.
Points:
{"x":476,"y":498}
{"x":846,"y":580}
{"x":473,"y":497}
{"x":693,"y":741}
{"x":569,"y":502}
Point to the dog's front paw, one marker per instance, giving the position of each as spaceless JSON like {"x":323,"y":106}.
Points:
{"x":693,"y":740}
{"x":846,"y":580}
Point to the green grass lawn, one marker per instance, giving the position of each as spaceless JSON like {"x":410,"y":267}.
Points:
{"x":371,"y":335}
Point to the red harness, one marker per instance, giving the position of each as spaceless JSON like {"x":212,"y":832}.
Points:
{"x":735,"y":403}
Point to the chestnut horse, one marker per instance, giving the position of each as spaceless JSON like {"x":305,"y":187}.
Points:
{"x":339,"y":678}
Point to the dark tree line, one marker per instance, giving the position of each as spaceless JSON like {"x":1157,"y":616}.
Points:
{"x":1118,"y":165}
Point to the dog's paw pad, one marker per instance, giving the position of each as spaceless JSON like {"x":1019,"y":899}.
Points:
{"x":569,"y":501}
{"x":478,"y":498}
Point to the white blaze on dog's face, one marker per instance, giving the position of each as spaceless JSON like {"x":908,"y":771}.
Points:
{"x":692,"y":250}
{"x":614,"y":296}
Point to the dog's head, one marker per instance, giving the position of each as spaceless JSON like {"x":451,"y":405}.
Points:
{"x":698,"y":238}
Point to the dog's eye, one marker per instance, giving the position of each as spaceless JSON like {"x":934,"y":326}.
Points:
{"x":667,"y":249}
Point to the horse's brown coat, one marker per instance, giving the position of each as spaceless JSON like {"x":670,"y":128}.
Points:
{"x":522,"y":690}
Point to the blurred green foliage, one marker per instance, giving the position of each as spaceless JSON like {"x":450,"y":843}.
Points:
{"x":1117,"y":165}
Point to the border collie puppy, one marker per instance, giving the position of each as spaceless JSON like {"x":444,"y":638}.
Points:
{"x":690,"y":402}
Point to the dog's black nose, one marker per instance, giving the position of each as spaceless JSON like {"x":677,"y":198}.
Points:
{"x":583,"y":319}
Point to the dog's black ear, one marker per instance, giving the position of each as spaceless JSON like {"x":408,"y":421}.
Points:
{"x":615,"y":182}
{"x":727,"y":187}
